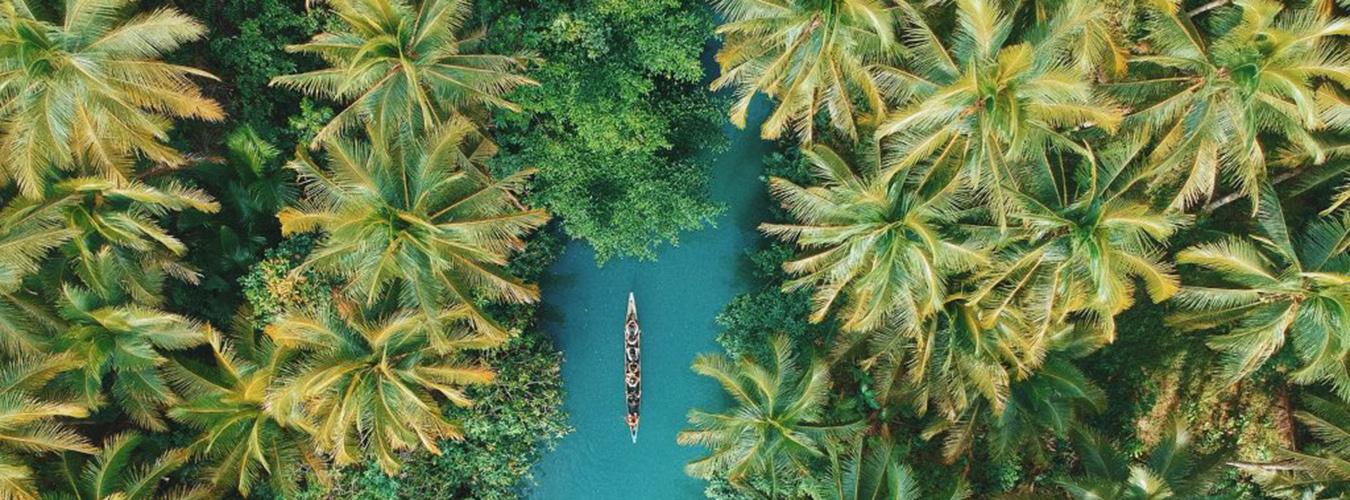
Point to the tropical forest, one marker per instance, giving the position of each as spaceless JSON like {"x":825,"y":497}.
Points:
{"x":879,"y":249}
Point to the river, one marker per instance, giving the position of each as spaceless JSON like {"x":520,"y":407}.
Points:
{"x":678,"y":295}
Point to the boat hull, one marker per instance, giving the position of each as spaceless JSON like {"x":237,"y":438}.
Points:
{"x":632,"y":368}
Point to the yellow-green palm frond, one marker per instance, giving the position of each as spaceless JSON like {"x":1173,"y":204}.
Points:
{"x":873,"y":248}
{"x":241,"y":442}
{"x":1216,"y":103}
{"x":778,"y":420}
{"x":811,"y":57}
{"x":985,"y":102}
{"x":1265,"y":297}
{"x":120,"y":469}
{"x":404,"y":66}
{"x":422,"y":221}
{"x":88,"y":94}
{"x":369,"y":387}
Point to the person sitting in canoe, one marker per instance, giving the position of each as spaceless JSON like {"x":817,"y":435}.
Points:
{"x":631,"y":379}
{"x":632,"y":420}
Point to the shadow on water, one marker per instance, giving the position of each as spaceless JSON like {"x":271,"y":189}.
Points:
{"x":678,"y":296}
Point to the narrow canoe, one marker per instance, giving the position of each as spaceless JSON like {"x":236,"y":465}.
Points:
{"x":632,"y":367}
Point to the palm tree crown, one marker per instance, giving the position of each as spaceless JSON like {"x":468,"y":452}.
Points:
{"x":776,"y":424}
{"x":1078,"y":248}
{"x":370,"y":383}
{"x":240,"y":438}
{"x":419,"y":218}
{"x":810,"y":55}
{"x":978,"y":103}
{"x":88,"y":93}
{"x":404,"y":65}
{"x":117,"y":337}
{"x":1276,"y":291}
{"x":1216,"y":104}
{"x":875,"y":244}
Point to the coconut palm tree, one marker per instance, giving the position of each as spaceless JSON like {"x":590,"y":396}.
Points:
{"x":1078,"y":246}
{"x":1095,"y":46}
{"x":404,"y":65}
{"x":115,"y":338}
{"x":241,"y":440}
{"x":1007,"y":380}
{"x":370,"y":382}
{"x":869,"y":469}
{"x":1320,"y":469}
{"x":1044,"y":404}
{"x":87,"y":93}
{"x":1170,"y":469}
{"x":1218,"y":105}
{"x":120,"y":471}
{"x":983,"y":102}
{"x":876,"y":248}
{"x":29,"y":423}
{"x":419,"y":221}
{"x":115,"y":226}
{"x":811,"y":56}
{"x":1265,"y":294}
{"x":777,"y":425}
{"x":28,"y":232}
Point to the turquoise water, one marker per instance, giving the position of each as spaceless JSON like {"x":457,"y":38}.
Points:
{"x":678,"y":296}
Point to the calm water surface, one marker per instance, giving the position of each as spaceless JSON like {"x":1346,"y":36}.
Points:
{"x":678,"y":296}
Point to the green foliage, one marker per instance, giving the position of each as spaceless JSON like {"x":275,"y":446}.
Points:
{"x":1171,"y":468}
{"x":405,"y":67}
{"x":777,"y":426}
{"x":86,"y":91}
{"x":809,"y":56}
{"x":1280,"y":290}
{"x":273,"y":284}
{"x":249,"y":51}
{"x":618,"y":126}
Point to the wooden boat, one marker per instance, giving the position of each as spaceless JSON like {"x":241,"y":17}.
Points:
{"x":632,"y":366}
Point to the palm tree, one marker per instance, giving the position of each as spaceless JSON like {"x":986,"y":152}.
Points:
{"x":418,"y":221}
{"x":1171,"y":469}
{"x":1045,"y":404}
{"x":775,"y":429}
{"x":118,"y":471}
{"x":1319,"y":470}
{"x":404,"y":65}
{"x":115,"y":226}
{"x":980,"y":104}
{"x":1279,"y":290}
{"x":116,"y":338}
{"x":1079,"y":246}
{"x":1218,"y":105}
{"x":867,"y":469}
{"x":1008,"y":381}
{"x":29,"y":424}
{"x":1096,"y":45}
{"x":88,"y":93}
{"x":28,"y":233}
{"x":876,"y":244}
{"x":811,"y":56}
{"x":240,"y":438}
{"x":370,"y":382}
